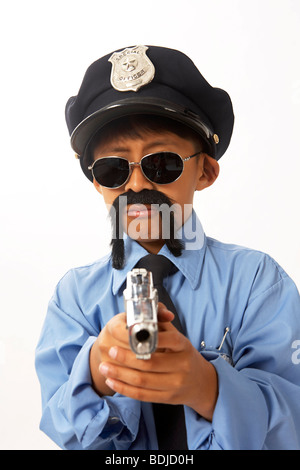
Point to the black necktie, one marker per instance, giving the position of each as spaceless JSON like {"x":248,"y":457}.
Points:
{"x":169,"y":419}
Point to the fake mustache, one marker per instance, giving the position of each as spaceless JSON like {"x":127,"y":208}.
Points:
{"x":144,"y":197}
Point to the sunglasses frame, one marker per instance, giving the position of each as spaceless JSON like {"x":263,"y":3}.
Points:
{"x":130,"y":164}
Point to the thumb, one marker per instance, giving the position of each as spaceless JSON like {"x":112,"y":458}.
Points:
{"x":163,"y":314}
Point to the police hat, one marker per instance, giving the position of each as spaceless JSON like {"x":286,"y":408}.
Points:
{"x":148,"y":80}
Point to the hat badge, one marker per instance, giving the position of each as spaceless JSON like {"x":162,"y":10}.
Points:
{"x":131,"y":69}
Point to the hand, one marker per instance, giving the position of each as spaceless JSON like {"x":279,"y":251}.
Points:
{"x":114,"y":334}
{"x":176,"y":373}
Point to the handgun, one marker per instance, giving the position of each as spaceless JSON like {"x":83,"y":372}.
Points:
{"x":141,"y":300}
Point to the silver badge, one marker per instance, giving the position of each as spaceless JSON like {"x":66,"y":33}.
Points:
{"x":131,"y":69}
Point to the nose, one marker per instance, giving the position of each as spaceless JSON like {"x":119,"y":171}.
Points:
{"x":137,"y":181}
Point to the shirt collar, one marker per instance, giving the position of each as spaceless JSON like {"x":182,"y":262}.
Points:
{"x":189,"y":263}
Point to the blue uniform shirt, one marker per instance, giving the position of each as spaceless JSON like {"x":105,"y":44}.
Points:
{"x":217,"y":287}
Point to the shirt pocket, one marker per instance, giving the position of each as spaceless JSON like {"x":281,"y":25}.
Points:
{"x":224,"y":350}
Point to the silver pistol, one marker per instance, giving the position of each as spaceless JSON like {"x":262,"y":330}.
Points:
{"x":140,"y":299}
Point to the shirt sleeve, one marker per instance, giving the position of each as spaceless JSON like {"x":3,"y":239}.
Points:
{"x":258,"y":402}
{"x":73,"y":414}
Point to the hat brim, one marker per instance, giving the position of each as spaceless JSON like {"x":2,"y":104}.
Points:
{"x":84,"y":132}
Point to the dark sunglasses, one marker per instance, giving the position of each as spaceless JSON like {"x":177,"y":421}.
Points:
{"x":159,"y":168}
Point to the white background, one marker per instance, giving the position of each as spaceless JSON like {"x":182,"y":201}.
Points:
{"x":51,"y":217}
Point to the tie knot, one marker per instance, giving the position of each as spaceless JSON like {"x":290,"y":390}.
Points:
{"x":159,"y":265}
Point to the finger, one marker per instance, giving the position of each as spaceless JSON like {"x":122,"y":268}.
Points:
{"x":117,"y":327}
{"x":160,"y":361}
{"x":148,"y":380}
{"x":171,"y":339}
{"x":143,"y":394}
{"x":126,"y":358}
{"x":165,"y":315}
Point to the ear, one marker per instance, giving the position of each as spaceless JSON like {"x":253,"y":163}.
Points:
{"x":210,"y":172}
{"x":97,"y":186}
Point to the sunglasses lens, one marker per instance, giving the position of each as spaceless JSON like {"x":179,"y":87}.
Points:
{"x":162,"y":167}
{"x":111,"y":172}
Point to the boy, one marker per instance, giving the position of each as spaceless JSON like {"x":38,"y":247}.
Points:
{"x":148,"y":131}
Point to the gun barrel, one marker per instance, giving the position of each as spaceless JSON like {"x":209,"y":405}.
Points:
{"x":140,"y":299}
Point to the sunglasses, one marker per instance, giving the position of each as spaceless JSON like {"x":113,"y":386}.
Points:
{"x":159,"y":168}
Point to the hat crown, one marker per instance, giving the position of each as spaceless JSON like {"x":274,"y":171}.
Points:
{"x":153,"y":80}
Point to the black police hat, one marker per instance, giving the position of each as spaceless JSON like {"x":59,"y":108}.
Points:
{"x":148,"y":80}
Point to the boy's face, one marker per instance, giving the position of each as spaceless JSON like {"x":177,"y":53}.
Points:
{"x":198,"y":173}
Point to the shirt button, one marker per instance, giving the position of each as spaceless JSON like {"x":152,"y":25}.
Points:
{"x":113,"y":419}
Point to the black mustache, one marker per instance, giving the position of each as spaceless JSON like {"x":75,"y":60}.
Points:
{"x":145,"y":196}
